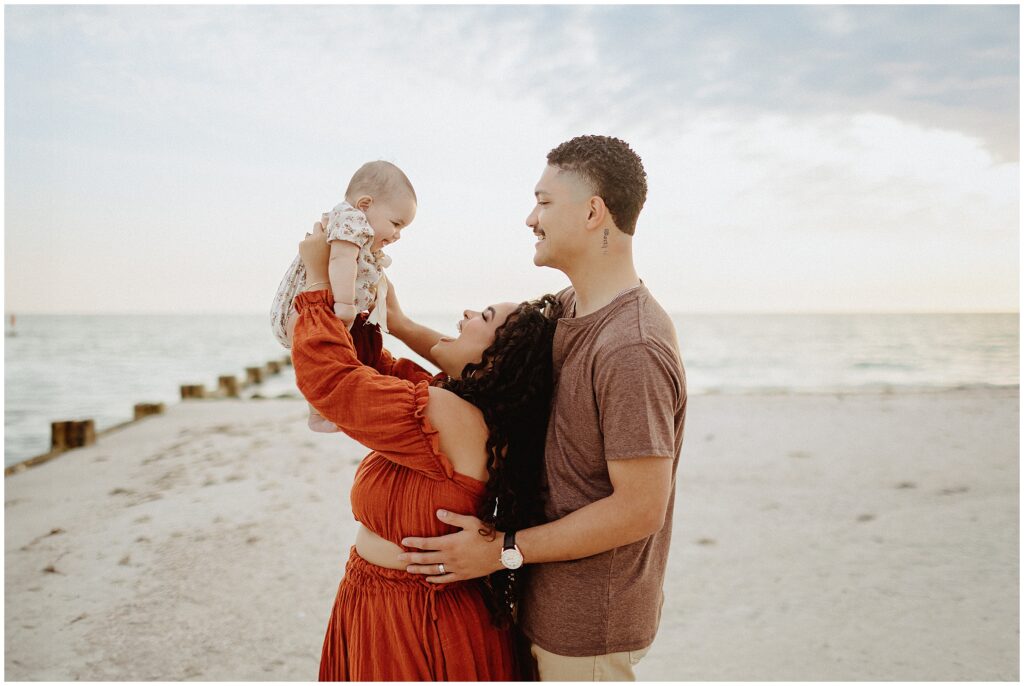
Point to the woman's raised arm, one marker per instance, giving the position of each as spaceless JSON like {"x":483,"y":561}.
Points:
{"x":419,"y":338}
{"x":383,"y":412}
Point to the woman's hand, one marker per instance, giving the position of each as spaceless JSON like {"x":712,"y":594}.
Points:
{"x":421,"y":339}
{"x":315,"y":253}
{"x":397,"y":321}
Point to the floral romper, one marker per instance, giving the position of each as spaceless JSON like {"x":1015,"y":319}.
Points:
{"x":344,"y":223}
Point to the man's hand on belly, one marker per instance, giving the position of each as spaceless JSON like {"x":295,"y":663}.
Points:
{"x":636,"y":509}
{"x":465,"y":555}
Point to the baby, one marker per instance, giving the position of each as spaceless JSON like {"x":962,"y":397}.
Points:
{"x":379,"y":203}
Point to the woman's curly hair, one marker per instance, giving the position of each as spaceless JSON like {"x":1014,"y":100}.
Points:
{"x":512,"y":386}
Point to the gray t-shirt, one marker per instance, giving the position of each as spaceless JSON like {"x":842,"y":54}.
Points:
{"x":620,"y":392}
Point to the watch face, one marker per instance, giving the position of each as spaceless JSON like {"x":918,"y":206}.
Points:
{"x":511,"y":558}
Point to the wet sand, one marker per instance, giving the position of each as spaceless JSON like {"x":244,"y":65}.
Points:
{"x":817,"y":537}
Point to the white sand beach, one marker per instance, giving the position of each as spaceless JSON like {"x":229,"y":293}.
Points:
{"x":817,"y":537}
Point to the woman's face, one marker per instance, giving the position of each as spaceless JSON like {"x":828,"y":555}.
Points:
{"x":476,"y":334}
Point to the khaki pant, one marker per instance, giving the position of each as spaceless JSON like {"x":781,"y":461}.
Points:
{"x":610,"y":667}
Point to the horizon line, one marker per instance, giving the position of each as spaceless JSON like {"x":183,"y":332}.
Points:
{"x":446,"y":313}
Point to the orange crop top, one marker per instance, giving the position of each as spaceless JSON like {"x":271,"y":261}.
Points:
{"x":406,"y":478}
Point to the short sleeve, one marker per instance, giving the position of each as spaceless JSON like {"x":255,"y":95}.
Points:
{"x":345,"y":223}
{"x":384,"y":413}
{"x":639,"y":391}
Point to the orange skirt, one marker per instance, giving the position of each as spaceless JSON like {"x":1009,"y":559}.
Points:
{"x":389,"y":625}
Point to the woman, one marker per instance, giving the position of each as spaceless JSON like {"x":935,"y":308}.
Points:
{"x":472,"y":440}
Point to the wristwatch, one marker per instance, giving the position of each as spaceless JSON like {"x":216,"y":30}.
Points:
{"x":511,"y":557}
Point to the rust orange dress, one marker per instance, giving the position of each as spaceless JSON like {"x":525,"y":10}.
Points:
{"x":389,"y":625}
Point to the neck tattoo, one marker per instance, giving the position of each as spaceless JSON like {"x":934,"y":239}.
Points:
{"x":604,"y":242}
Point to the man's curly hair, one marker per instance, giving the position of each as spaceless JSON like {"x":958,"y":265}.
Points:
{"x":613,"y":170}
{"x":512,"y":386}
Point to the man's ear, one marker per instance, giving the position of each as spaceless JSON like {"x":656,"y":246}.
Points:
{"x":597,"y":212}
{"x":364,"y":202}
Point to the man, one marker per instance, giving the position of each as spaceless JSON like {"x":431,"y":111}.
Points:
{"x":593,"y":598}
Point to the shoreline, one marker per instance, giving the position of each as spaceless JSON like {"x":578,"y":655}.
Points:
{"x":35,"y":460}
{"x":229,"y":388}
{"x":855,"y":390}
{"x":815,"y":538}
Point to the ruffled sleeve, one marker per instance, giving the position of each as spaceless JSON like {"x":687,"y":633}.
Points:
{"x":346,"y":223}
{"x":383,"y":412}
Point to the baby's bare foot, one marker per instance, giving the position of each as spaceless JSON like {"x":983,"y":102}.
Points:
{"x":320,"y":425}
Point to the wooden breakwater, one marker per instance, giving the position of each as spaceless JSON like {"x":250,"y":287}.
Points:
{"x":70,"y":434}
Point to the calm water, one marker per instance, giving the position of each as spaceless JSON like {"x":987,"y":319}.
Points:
{"x":77,"y":366}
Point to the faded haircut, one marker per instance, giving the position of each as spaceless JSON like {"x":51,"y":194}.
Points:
{"x":379,"y":179}
{"x":613,"y":171}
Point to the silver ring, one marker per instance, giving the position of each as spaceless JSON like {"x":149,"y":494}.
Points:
{"x":440,"y":568}
{"x":308,"y":234}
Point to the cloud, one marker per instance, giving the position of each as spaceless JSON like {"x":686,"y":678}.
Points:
{"x":814,"y":141}
{"x":829,"y":212}
{"x":952,"y":66}
{"x":639,"y":66}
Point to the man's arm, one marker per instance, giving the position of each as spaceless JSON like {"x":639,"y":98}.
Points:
{"x":635,"y":510}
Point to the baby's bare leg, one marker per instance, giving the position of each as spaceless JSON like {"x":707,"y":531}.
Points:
{"x":289,"y":326}
{"x":316,"y":421}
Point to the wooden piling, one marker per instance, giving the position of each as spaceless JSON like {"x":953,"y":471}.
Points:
{"x":67,"y":435}
{"x":83,"y":433}
{"x":147,"y":409}
{"x":72,"y":434}
{"x":193,"y":391}
{"x":59,"y":435}
{"x":228,"y":385}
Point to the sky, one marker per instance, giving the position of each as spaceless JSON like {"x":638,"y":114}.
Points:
{"x":800,"y":158}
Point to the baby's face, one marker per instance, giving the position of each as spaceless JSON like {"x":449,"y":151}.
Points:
{"x":388,"y":217}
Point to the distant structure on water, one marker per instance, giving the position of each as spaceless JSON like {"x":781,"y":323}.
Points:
{"x":9,"y":331}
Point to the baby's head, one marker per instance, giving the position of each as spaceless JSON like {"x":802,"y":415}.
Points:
{"x":383,"y":193}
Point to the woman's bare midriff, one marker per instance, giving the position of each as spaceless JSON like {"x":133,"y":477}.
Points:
{"x":378,"y":551}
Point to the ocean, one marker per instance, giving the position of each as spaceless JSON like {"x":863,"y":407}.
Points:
{"x":61,"y":367}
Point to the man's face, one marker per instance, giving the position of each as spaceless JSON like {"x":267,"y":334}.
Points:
{"x":559,"y":217}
